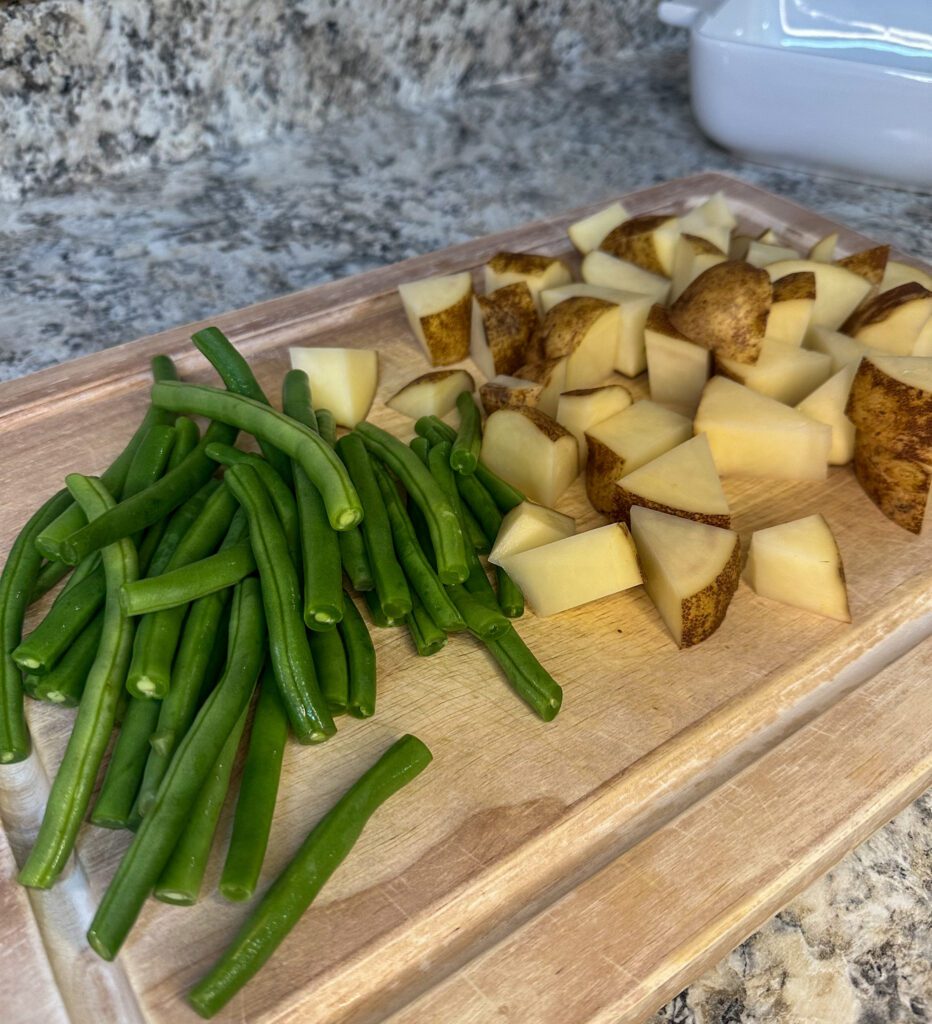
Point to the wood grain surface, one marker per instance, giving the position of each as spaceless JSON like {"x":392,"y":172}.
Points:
{"x":514,"y":816}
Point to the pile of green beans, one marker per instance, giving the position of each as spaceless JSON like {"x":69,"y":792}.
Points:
{"x":201,"y":568}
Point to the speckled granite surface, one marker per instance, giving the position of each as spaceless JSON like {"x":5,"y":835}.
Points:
{"x":139,"y":253}
{"x":95,"y":86}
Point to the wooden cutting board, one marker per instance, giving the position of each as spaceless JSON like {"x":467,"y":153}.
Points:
{"x":578,"y":871}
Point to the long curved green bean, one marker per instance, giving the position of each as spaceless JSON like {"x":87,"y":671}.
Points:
{"x":427,"y":636}
{"x":198,"y":665}
{"x":154,"y":502}
{"x":190,"y":582}
{"x":390,"y":583}
{"x":181,"y":878}
{"x":121,"y":783}
{"x":315,"y":456}
{"x":114,"y":477}
{"x":294,"y":890}
{"x":282,"y":498}
{"x":464,"y":455}
{"x":64,"y":685}
{"x":179,"y":523}
{"x":320,"y":546}
{"x":149,"y":463}
{"x":331,"y":668}
{"x":50,"y":574}
{"x":445,"y":532}
{"x":71,"y":791}
{"x":530,"y":680}
{"x":288,"y":643}
{"x":258,"y":790}
{"x":16,"y":582}
{"x":360,"y":660}
{"x":160,"y":829}
{"x":420,"y":573}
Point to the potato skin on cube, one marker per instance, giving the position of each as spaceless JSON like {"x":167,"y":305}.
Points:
{"x":439,"y":310}
{"x":704,"y":612}
{"x":898,"y":486}
{"x":503,"y":326}
{"x":895,"y":415}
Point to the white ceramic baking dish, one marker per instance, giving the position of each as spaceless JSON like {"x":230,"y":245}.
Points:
{"x":842,"y":86}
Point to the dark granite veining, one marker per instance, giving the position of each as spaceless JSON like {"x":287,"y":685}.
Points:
{"x":92,"y":87}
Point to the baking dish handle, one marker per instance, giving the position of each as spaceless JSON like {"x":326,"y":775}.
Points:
{"x":685,"y":13}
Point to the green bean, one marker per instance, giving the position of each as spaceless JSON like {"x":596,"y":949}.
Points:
{"x":479,"y":502}
{"x":178,"y":526}
{"x":161,"y":828}
{"x":510,"y":598}
{"x":483,"y":619}
{"x":331,"y":668}
{"x":315,"y":456}
{"x":127,"y":763}
{"x":378,"y":616}
{"x":279,"y":491}
{"x":288,"y":644}
{"x":530,"y":680}
{"x":198,"y":665}
{"x":74,"y":783}
{"x":187,"y":437}
{"x":114,"y":477}
{"x":427,"y":636}
{"x":50,"y":574}
{"x":390,"y":583}
{"x":420,"y":446}
{"x":424,"y":581}
{"x":320,"y":546}
{"x":360,"y":660}
{"x":255,"y":805}
{"x":65,"y":683}
{"x":503,"y":494}
{"x":181,"y":878}
{"x":464,"y":455}
{"x":434,"y":430}
{"x":190,"y":582}
{"x":294,"y":890}
{"x":327,"y":425}
{"x":154,"y":502}
{"x":149,"y":463}
{"x":15,"y":584}
{"x":445,"y":531}
{"x":71,"y":611}
{"x":238,"y":377}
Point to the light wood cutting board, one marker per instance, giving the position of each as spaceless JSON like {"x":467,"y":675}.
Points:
{"x":579,"y":871}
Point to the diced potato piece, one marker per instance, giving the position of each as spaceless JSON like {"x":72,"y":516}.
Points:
{"x":342,"y":380}
{"x":647,"y":241}
{"x":690,"y":570}
{"x":892,"y":321}
{"x":502,"y":329}
{"x":431,"y":394}
{"x":791,"y":308}
{"x":799,"y":564}
{"x":601,"y":269}
{"x":537,"y":272}
{"x":576,"y":570}
{"x":579,"y":410}
{"x":782,"y":371}
{"x":824,"y":250}
{"x":580,"y":289}
{"x":439,"y":312}
{"x":551,"y":375}
{"x":740,"y":244}
{"x":586,"y":234}
{"x":532,"y":452}
{"x":711,"y":220}
{"x":898,"y":486}
{"x":827,"y":405}
{"x":754,"y":435}
{"x":692,"y":256}
{"x":838,"y":291}
{"x":868,"y":263}
{"x":505,"y":392}
{"x":841,"y":349}
{"x":725,"y":309}
{"x":891,"y":403}
{"x":625,"y":441}
{"x":897,"y":273}
{"x":676,"y":367}
{"x":529,"y":526}
{"x":759,"y":254}
{"x":681,"y":482}
{"x":585,"y":331}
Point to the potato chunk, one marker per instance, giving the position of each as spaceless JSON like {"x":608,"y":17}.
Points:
{"x":505,"y":392}
{"x":892,"y":321}
{"x":648,"y":241}
{"x":782,"y":371}
{"x":827,"y":405}
{"x":898,"y":486}
{"x":439,"y":312}
{"x":891,"y":404}
{"x":799,"y":564}
{"x":690,"y":572}
{"x":587,"y":234}
{"x":838,"y":291}
{"x":431,"y":394}
{"x":601,"y":269}
{"x":585,"y":332}
{"x":537,"y":272}
{"x":529,"y":526}
{"x":342,"y":380}
{"x":550,"y":374}
{"x":676,"y":367}
{"x":579,"y":410}
{"x":791,"y":308}
{"x":502,"y":328}
{"x":532,"y":452}
{"x":575,"y":570}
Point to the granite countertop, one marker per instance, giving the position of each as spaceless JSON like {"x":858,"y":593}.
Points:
{"x":131,"y":255}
